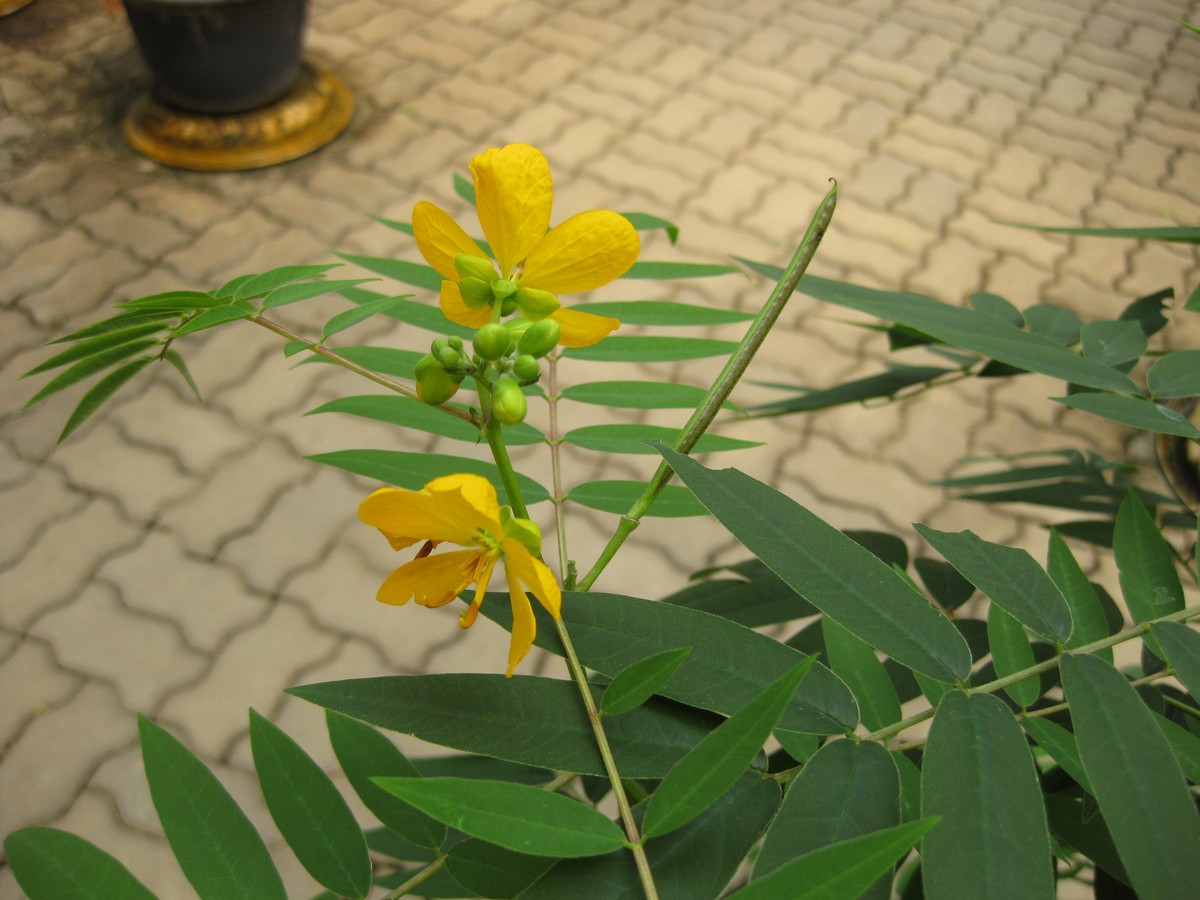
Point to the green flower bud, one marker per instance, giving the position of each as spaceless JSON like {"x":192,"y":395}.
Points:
{"x":455,"y":342}
{"x":437,"y":387}
{"x":503,"y":288}
{"x":539,"y":339}
{"x":508,"y":402}
{"x":535,"y":304}
{"x":476,"y":293}
{"x":477,"y":267}
{"x":509,"y":307}
{"x":438,"y":345}
{"x":517,"y":327}
{"x":427,"y":365}
{"x":449,"y":358}
{"x":525,"y":531}
{"x":492,"y":341}
{"x":526,"y":369}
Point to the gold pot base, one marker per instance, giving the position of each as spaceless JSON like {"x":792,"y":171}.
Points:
{"x":309,"y":116}
{"x":7,"y":7}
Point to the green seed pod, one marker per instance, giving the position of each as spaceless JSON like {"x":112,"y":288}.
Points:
{"x":437,"y":387}
{"x":509,"y":307}
{"x":477,"y":267}
{"x":508,"y":403}
{"x":539,"y":339}
{"x":476,"y":293}
{"x":535,"y":304}
{"x":492,"y":341}
{"x":526,"y":369}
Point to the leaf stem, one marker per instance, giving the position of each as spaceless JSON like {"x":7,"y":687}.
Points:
{"x":734,"y":368}
{"x":559,"y":500}
{"x":1044,"y":666}
{"x":610,"y":764}
{"x":422,"y":876}
{"x":369,"y":374}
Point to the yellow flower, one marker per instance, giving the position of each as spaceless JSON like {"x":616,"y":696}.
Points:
{"x":513,"y":195}
{"x":462,"y":509}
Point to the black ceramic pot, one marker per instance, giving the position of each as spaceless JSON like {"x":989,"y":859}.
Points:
{"x":220,"y":56}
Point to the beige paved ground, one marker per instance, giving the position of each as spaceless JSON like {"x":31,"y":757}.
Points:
{"x":179,"y":560}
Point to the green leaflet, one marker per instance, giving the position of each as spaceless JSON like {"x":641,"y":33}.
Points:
{"x":415,"y":470}
{"x":525,"y":719}
{"x":217,"y":848}
{"x":1145,"y":566}
{"x":715,"y":763}
{"x":517,"y":816}
{"x":838,"y":576}
{"x":666,"y":313}
{"x":647,"y":222}
{"x":310,"y":813}
{"x":639,"y":681}
{"x":637,"y":394}
{"x":1010,"y":577}
{"x":1181,"y":646}
{"x":1086,"y":611}
{"x":841,"y":870}
{"x":729,"y":664}
{"x":363,"y":753}
{"x":409,"y":412}
{"x":677,"y":270}
{"x":249,"y":287}
{"x":1174,"y":375}
{"x":853,"y":661}
{"x":1135,"y":411}
{"x":1136,"y":779}
{"x":634,"y":439}
{"x":979,"y":777}
{"x":1011,"y":653}
{"x":618,"y":496}
{"x":697,"y":860}
{"x":51,"y":863}
{"x":846,"y":790}
{"x":651,"y":348}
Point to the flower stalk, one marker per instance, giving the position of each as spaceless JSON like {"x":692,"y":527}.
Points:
{"x":721,"y":388}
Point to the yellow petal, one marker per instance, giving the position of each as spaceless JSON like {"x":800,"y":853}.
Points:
{"x":406,"y":517}
{"x":535,"y":574}
{"x":467,"y":619}
{"x":582,"y":253}
{"x":440,"y":239}
{"x":433,"y":580}
{"x":524,"y":626}
{"x":513,"y":193}
{"x":454,"y":309}
{"x":581,"y":329}
{"x":475,"y":489}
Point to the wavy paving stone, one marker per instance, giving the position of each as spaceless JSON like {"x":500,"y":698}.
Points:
{"x":242,"y":569}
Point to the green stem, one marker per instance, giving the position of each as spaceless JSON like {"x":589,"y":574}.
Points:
{"x":422,"y":876}
{"x":383,"y":380}
{"x":559,"y":500}
{"x":992,"y":686}
{"x":734,"y":368}
{"x":610,"y":764}
{"x":495,"y":438}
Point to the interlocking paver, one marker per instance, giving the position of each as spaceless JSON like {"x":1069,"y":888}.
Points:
{"x":139,"y":644}
{"x":36,"y":790}
{"x":938,"y":119}
{"x":60,"y":561}
{"x":253,"y":668}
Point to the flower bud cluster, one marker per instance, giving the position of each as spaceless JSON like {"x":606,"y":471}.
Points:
{"x":480,"y":287}
{"x":440,"y":371}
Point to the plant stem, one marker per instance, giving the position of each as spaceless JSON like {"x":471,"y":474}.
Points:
{"x":383,"y":380}
{"x":734,"y":368}
{"x":992,"y":686}
{"x":495,"y":438}
{"x":560,"y":521}
{"x":610,"y":764}
{"x":422,"y":876}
